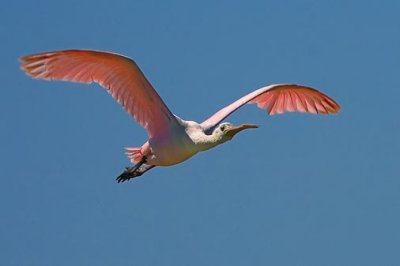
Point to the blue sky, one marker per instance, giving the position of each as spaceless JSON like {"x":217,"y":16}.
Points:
{"x":300,"y":190}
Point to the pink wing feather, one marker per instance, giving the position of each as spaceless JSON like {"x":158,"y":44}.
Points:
{"x":118,"y":74}
{"x":277,"y":99}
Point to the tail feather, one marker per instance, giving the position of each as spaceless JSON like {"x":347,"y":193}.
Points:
{"x":134,"y":153}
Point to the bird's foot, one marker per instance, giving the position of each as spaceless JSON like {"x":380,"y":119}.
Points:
{"x":130,"y":172}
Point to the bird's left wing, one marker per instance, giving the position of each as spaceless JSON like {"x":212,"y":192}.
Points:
{"x":277,"y":99}
{"x":118,"y":74}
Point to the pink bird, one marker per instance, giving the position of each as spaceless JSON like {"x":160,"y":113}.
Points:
{"x":172,"y":140}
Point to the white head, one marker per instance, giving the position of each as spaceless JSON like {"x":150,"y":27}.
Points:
{"x":226,"y":131}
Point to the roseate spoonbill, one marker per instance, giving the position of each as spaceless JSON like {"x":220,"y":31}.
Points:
{"x":171,"y":139}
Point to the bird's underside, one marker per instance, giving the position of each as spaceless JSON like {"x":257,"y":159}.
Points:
{"x":127,"y":84}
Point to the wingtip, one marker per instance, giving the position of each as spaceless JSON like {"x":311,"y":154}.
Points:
{"x":334,"y":105}
{"x":26,"y":58}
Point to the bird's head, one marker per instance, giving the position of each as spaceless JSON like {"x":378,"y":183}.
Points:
{"x":226,"y":131}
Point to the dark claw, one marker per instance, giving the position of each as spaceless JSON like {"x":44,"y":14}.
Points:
{"x":130,"y":172}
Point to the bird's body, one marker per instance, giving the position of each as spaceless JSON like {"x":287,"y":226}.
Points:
{"x":180,"y":145}
{"x":171,"y":139}
{"x":188,"y":138}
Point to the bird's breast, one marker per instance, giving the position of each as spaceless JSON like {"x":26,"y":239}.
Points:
{"x":171,"y":150}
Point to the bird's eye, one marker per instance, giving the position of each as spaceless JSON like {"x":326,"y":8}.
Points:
{"x":222,"y":127}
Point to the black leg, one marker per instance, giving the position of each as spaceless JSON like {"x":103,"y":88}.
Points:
{"x":134,"y":171}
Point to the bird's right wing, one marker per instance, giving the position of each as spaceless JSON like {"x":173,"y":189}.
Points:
{"x":118,"y":74}
{"x":277,"y":99}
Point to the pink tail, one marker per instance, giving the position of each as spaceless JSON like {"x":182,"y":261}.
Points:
{"x":134,"y":153}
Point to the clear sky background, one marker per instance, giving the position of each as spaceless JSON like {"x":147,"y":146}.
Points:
{"x":300,"y":190}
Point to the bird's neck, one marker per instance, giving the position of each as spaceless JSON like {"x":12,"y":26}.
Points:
{"x":198,"y":139}
{"x":205,"y":142}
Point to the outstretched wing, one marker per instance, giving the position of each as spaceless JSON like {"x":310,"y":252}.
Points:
{"x":277,"y":99}
{"x":118,"y":74}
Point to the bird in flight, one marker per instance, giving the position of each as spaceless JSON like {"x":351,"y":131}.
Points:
{"x":172,"y":140}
